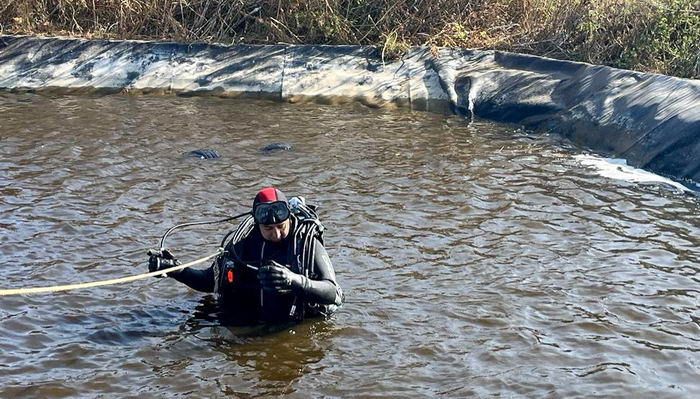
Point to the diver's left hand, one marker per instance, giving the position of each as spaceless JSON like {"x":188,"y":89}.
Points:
{"x":278,"y":278}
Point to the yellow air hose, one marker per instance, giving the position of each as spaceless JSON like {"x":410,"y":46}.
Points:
{"x":56,"y":288}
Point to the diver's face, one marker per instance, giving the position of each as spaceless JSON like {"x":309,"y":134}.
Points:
{"x":275,"y":232}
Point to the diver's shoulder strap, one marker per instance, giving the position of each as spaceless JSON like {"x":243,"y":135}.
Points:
{"x":233,"y":237}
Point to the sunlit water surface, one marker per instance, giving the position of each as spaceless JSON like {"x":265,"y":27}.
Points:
{"x":477,"y":259}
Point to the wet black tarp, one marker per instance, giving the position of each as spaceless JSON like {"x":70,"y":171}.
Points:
{"x":652,"y":121}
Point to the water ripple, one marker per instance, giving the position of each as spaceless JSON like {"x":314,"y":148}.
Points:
{"x":477,"y":259}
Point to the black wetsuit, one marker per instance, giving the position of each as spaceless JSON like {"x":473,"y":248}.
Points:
{"x":234,"y":278}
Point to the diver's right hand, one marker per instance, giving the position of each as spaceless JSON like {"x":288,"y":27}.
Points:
{"x":161,"y":260}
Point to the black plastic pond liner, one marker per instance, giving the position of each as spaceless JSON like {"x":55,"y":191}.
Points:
{"x":652,"y":121}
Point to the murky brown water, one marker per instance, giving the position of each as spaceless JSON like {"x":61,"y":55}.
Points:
{"x":476,"y":260}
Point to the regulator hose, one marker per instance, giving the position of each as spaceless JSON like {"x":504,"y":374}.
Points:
{"x":170,"y":230}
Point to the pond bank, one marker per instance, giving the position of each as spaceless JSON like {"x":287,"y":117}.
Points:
{"x":652,"y":121}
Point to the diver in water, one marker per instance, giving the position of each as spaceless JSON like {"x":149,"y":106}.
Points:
{"x":274,"y":267}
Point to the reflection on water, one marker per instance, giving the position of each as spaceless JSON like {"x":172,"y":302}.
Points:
{"x":277,"y":354}
{"x":477,"y":260}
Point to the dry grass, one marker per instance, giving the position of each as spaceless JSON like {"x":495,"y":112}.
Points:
{"x":650,"y":35}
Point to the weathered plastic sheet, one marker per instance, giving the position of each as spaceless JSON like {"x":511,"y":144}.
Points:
{"x":652,"y":121}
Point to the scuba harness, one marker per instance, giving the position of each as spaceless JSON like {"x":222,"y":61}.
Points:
{"x":307,"y":228}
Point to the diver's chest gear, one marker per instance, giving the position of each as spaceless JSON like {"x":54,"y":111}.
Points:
{"x":237,"y":288}
{"x":236,"y":276}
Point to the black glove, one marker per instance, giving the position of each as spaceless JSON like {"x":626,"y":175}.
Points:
{"x":160,"y":260}
{"x":277,"y":278}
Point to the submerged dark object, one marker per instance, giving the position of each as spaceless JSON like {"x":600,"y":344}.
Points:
{"x":274,"y":147}
{"x":204,"y":153}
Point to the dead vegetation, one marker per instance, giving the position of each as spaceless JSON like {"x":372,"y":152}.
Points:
{"x":649,"y":35}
